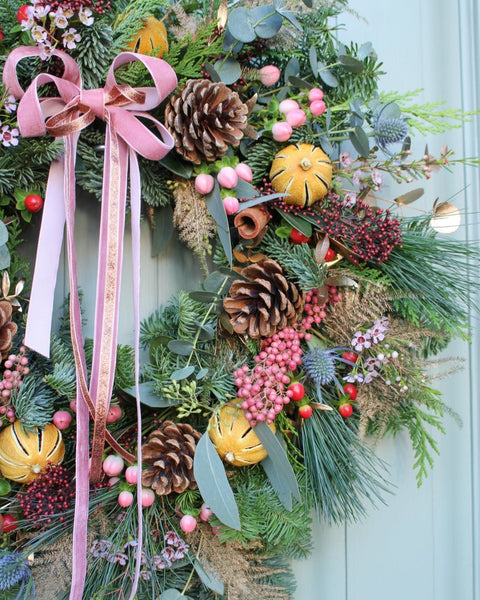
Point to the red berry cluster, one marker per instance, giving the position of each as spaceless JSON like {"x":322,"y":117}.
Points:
{"x":16,"y":366}
{"x":263,"y":388}
{"x":98,"y":6}
{"x":48,"y":497}
{"x":371,"y":233}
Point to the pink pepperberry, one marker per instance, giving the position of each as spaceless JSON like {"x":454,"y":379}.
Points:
{"x":296,"y":117}
{"x":281,"y":131}
{"x":188,"y":523}
{"x":286,"y":106}
{"x":227,"y":177}
{"x":148,"y":497}
{"x":62,"y":419}
{"x":315,"y":94}
{"x":205,"y":512}
{"x":131,"y":474}
{"x":244,"y":172}
{"x":269,"y":75}
{"x":231,"y":205}
{"x":204,"y":183}
{"x":125,"y":498}
{"x":113,"y":465}
{"x":317,"y":108}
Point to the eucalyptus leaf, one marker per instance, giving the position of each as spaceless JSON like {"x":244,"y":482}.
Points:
{"x":181,"y":347}
{"x":230,"y":43}
{"x":267,"y":22}
{"x":215,"y":207}
{"x":201,"y":373}
{"x":243,"y":189}
{"x":292,"y":69}
{"x":183,"y":373}
{"x":299,"y":83}
{"x":210,"y":69}
{"x":365,"y":50}
{"x":162,"y":231}
{"x":279,"y":457}
{"x":215,"y":281}
{"x":3,"y":233}
{"x":240,"y":25}
{"x":148,"y":396}
{"x":351,"y":64}
{"x":176,"y":165}
{"x":308,"y":3}
{"x":303,"y":226}
{"x":360,"y":141}
{"x":205,"y":297}
{"x":287,"y":14}
{"x":206,"y":333}
{"x":327,"y":77}
{"x":213,"y":484}
{"x":229,"y":70}
{"x":172,"y":594}
{"x":328,"y":118}
{"x":259,"y":200}
{"x":282,"y":489}
{"x":313,"y":59}
{"x":4,"y":257}
{"x":208,"y":578}
{"x":326,"y":145}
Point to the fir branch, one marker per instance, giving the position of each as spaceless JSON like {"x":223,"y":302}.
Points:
{"x":62,"y":378}
{"x":298,"y":260}
{"x":93,"y":54}
{"x":342,"y":471}
{"x":129,"y":22}
{"x":33,"y":403}
{"x":125,"y":367}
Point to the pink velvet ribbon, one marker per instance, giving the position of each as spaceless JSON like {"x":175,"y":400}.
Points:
{"x":64,"y":115}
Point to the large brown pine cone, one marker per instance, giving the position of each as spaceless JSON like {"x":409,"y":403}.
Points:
{"x":266,"y":303}
{"x":7,"y":328}
{"x":169,"y":455}
{"x":205,"y":118}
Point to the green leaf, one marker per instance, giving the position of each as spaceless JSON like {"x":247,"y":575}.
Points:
{"x":148,"y":396}
{"x":163,"y":230}
{"x":282,"y":489}
{"x":283,"y":231}
{"x":303,"y":226}
{"x":181,"y":347}
{"x":229,"y":44}
{"x":206,"y":333}
{"x":287,"y":15}
{"x":3,"y":233}
{"x":201,"y":373}
{"x":5,"y":487}
{"x":172,"y":594}
{"x":267,"y":22}
{"x":215,"y":281}
{"x":360,"y":141}
{"x":215,"y":207}
{"x":204,"y":297}
{"x":351,"y":64}
{"x":180,"y":374}
{"x":259,"y":200}
{"x":326,"y":75}
{"x":279,"y":457}
{"x":299,"y":83}
{"x":208,"y":579}
{"x":4,"y":257}
{"x":240,"y":26}
{"x":229,"y":70}
{"x":292,"y":69}
{"x":176,"y":165}
{"x":243,"y":189}
{"x":313,"y":59}
{"x":213,"y":484}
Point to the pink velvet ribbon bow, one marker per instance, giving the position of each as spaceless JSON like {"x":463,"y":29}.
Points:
{"x":124,"y":111}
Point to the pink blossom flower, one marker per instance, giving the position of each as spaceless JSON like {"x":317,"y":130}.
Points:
{"x":361,"y":341}
{"x":350,"y":199}
{"x":85,"y":16}
{"x":9,"y":137}
{"x":10,"y":104}
{"x":60,"y":20}
{"x":41,"y":11}
{"x":39,"y":33}
{"x":345,"y":159}
{"x":378,"y":330}
{"x":70,"y":38}
{"x":377,"y":179}
{"x":46,"y":50}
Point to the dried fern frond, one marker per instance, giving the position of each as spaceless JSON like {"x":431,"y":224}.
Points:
{"x":195,"y":225}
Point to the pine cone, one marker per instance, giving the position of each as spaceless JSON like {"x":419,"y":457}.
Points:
{"x":266,"y":303}
{"x":205,"y":118}
{"x":169,"y":456}
{"x":7,"y":328}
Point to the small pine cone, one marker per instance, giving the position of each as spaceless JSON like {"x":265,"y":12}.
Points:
{"x":7,"y":328}
{"x":205,"y":118}
{"x":169,"y":457}
{"x":266,"y":303}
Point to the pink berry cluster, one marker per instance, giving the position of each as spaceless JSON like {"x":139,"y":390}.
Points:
{"x":16,"y":366}
{"x":263,"y":389}
{"x":227,"y":178}
{"x":295,"y":115}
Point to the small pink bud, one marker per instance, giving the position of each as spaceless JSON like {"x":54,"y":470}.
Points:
{"x":113,"y":465}
{"x":114,"y":413}
{"x":286,"y":106}
{"x":125,"y":498}
{"x":317,"y":108}
{"x":73,"y":405}
{"x":62,"y":419}
{"x":205,"y":512}
{"x":231,"y":205}
{"x":269,"y":74}
{"x":113,"y":481}
{"x":148,"y":497}
{"x":281,"y":131}
{"x":244,"y":172}
{"x":131,"y":474}
{"x":315,"y":94}
{"x":296,"y":117}
{"x":204,"y":183}
{"x":188,"y":523}
{"x":227,"y":177}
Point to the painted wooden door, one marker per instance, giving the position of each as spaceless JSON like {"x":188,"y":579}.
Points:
{"x":424,"y":544}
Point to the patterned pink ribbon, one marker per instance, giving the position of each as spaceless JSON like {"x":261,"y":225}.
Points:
{"x":65,"y":115}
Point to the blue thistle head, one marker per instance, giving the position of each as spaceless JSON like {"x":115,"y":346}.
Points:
{"x":13,"y":570}
{"x":390,"y":131}
{"x":319,"y":364}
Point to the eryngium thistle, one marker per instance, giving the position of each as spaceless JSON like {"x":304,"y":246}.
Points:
{"x":319,"y":364}
{"x":13,"y":570}
{"x":390,"y":131}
